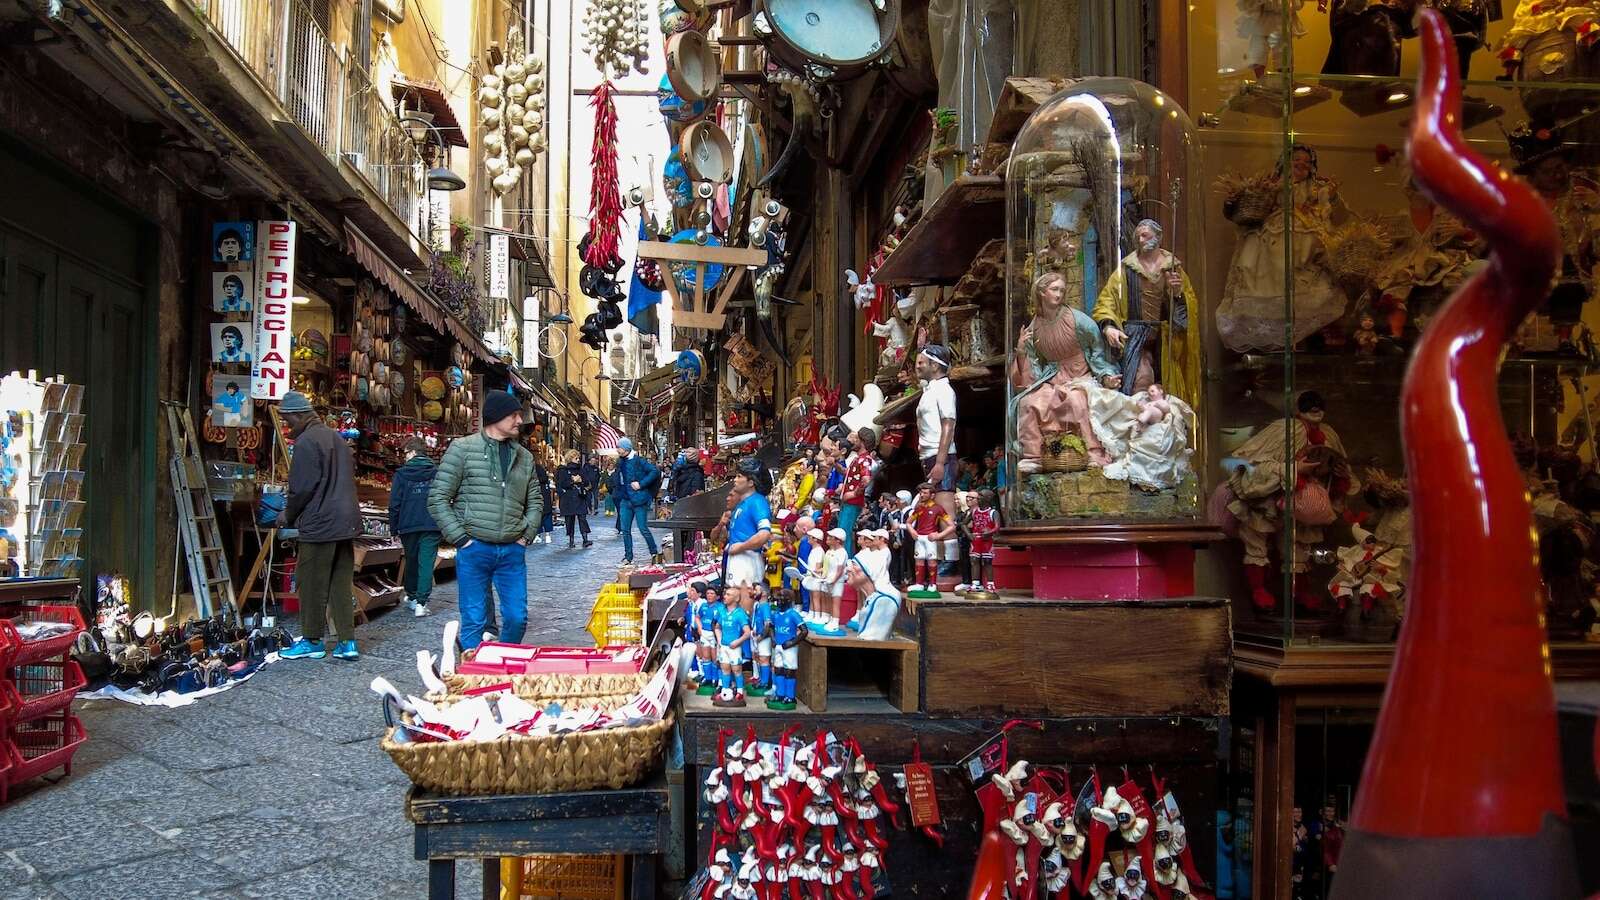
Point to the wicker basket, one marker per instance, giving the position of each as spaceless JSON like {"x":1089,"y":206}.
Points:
{"x":612,"y":758}
{"x":1060,"y":455}
{"x":1251,"y":204}
{"x":1356,"y":250}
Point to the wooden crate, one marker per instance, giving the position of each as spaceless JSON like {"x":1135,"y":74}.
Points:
{"x":1100,"y":658}
{"x":898,"y":655}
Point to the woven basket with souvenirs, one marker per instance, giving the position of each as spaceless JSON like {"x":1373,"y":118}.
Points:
{"x":538,"y":764}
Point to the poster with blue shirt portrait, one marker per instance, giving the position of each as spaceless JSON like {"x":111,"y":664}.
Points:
{"x":231,"y":406}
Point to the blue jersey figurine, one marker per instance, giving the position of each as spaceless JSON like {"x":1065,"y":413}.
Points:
{"x":788,"y":627}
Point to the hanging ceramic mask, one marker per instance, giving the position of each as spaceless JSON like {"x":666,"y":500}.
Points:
{"x":672,"y":17}
{"x":455,"y":377}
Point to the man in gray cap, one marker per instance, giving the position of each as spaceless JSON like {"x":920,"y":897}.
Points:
{"x":487,"y":502}
{"x":322,"y":507}
{"x":638,"y":480}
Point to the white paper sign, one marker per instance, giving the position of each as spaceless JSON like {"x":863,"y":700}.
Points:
{"x":500,"y":266}
{"x":273,"y":310}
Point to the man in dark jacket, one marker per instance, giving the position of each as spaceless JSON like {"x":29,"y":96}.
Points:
{"x":688,"y":477}
{"x":637,"y":482}
{"x":486,"y":500}
{"x":591,"y":475}
{"x":410,"y":521}
{"x":322,"y":507}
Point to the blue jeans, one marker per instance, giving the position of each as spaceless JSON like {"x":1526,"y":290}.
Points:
{"x":848,"y":514}
{"x":506,"y":566}
{"x":627,"y":514}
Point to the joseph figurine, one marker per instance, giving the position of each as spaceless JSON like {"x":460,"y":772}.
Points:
{"x":1147,"y":311}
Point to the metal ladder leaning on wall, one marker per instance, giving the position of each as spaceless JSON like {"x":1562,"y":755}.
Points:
{"x":197,"y":519}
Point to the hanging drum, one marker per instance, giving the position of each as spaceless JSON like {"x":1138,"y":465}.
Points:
{"x":829,"y":40}
{"x":693,"y":67}
{"x":706,"y":152}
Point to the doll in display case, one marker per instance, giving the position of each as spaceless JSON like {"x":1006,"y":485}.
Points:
{"x":1143,"y":311}
{"x":1251,"y":314}
{"x":1251,"y":503}
{"x":1267,"y":26}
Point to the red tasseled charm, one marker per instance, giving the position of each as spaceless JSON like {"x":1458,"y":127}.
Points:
{"x":605,"y":193}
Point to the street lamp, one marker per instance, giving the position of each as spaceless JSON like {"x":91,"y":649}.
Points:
{"x":419,"y":126}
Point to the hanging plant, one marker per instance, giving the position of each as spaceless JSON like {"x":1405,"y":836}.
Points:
{"x":511,"y":110}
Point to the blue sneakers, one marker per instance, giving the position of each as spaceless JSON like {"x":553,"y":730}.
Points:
{"x":346,"y":650}
{"x":304,"y":649}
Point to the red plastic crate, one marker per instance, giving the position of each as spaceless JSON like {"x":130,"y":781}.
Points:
{"x":14,"y":651}
{"x":9,"y":702}
{"x":7,"y":760}
{"x":43,"y":745}
{"x":39,"y":688}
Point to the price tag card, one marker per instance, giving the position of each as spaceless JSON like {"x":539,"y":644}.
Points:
{"x":920,"y":794}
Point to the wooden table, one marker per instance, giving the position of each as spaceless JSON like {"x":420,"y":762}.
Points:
{"x":632,"y":820}
{"x":811,"y":688}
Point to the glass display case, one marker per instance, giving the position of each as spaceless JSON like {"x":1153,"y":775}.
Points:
{"x":1105,"y":330}
{"x":1329,"y":264}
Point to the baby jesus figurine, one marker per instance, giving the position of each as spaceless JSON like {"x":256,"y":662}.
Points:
{"x":1153,"y":408}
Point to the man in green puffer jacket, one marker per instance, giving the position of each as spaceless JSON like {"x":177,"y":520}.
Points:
{"x":487,"y":502}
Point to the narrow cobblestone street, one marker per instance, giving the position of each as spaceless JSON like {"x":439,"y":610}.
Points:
{"x":276,"y":788}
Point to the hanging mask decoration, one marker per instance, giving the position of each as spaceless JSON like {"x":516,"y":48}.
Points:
{"x":455,"y":377}
{"x":691,"y":366}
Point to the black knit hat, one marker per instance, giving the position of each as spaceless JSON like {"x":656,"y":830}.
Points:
{"x":499,"y":405}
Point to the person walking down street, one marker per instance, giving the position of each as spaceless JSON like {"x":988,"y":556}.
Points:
{"x":591,"y":474}
{"x":637,"y":482}
{"x":614,"y":494}
{"x":547,"y":525}
{"x":688,"y":476}
{"x":322,"y":507}
{"x":410,"y":521}
{"x":486,"y":500}
{"x":574,"y":488}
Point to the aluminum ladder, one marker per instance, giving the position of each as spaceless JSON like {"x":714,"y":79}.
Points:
{"x":197,"y":519}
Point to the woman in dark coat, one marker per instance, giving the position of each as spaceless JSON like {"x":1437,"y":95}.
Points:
{"x":547,"y":525}
{"x":573,"y":488}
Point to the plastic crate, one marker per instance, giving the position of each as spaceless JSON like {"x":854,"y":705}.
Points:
{"x":39,"y":688}
{"x":562,"y":876}
{"x":14,"y":651}
{"x":43,"y":745}
{"x":617,"y":617}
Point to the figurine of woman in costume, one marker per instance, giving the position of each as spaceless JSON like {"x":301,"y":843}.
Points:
{"x":1251,"y":315}
{"x":1061,"y":375}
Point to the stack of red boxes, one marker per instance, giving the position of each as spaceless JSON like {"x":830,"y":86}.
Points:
{"x":38,"y":732}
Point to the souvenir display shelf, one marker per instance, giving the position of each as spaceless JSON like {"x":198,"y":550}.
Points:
{"x":1310,"y":326}
{"x":41,"y":477}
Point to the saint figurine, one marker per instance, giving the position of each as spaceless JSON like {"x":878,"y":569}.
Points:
{"x":1061,"y":375}
{"x":1144,"y":311}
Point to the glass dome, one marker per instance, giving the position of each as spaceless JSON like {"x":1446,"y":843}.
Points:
{"x":1104,"y":327}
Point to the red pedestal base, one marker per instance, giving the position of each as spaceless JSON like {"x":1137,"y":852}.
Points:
{"x":1113,"y":571}
{"x":1013,"y":569}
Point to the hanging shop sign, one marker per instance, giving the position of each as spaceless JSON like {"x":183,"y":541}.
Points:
{"x":274,"y":283}
{"x":500,"y":266}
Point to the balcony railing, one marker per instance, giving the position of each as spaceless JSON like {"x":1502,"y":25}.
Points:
{"x":333,"y":101}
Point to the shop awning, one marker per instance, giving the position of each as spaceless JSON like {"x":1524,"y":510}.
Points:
{"x":558,"y":405}
{"x":429,"y":97}
{"x":391,"y":276}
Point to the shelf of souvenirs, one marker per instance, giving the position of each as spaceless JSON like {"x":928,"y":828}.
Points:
{"x":940,"y":247}
{"x":1368,"y":97}
{"x":1387,"y":365}
{"x":1312,"y":663}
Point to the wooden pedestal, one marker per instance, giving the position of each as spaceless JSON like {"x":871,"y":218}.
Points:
{"x":863,"y":659}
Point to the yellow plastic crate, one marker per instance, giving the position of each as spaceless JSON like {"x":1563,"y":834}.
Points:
{"x":617,"y":617}
{"x":562,"y":877}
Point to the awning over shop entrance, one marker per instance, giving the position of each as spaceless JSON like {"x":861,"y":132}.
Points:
{"x":391,"y":276}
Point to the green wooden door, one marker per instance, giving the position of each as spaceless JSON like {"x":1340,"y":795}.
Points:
{"x":63,"y":314}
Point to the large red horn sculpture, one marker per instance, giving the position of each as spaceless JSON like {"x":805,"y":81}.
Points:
{"x":1462,"y":792}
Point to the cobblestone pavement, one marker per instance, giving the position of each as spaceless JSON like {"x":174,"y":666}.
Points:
{"x":275,"y":788}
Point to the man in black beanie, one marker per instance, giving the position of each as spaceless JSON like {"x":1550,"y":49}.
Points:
{"x":487,"y":502}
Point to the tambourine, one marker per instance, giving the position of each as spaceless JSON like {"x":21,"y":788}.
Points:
{"x":432,"y":410}
{"x":433,"y":387}
{"x":707,"y":153}
{"x":827,"y":39}
{"x":693,"y":67}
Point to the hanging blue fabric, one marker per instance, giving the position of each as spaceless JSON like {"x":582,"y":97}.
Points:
{"x":641,"y":300}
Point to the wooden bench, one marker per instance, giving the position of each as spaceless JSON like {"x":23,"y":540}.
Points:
{"x":634,"y":821}
{"x":812,"y":685}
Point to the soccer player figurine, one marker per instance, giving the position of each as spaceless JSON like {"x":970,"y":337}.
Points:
{"x":733,"y":633}
{"x":787,"y":626}
{"x":694,"y":598}
{"x":761,"y":627}
{"x":710,"y":615}
{"x":985,"y":522}
{"x":931,"y":525}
